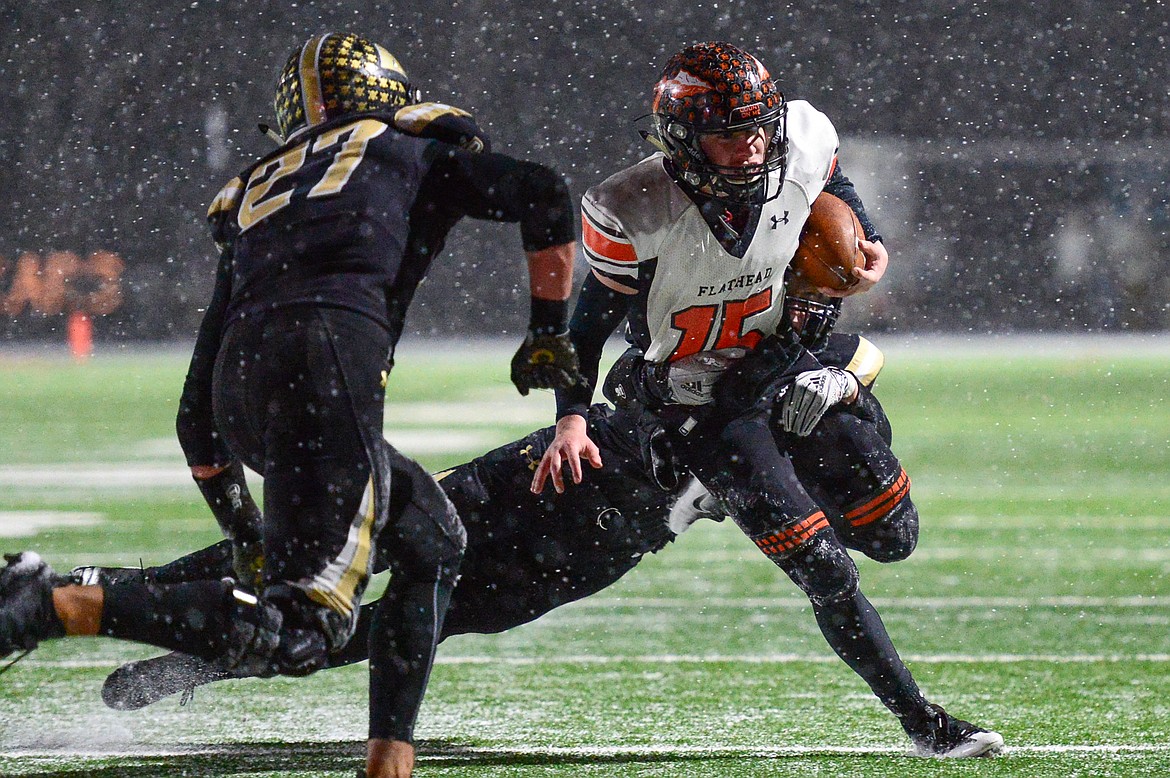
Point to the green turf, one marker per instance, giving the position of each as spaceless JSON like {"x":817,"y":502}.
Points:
{"x":1038,"y":600}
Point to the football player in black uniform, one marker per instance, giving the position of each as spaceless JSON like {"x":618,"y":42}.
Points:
{"x":690,"y":246}
{"x":323,"y":242}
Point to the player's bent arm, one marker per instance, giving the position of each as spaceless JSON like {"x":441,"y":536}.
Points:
{"x":876,"y":257}
{"x":876,"y":261}
{"x":570,"y":444}
{"x":195,"y":422}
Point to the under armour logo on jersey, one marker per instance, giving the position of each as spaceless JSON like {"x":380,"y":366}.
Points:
{"x":778,"y":220}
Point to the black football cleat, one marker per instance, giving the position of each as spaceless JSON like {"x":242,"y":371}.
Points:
{"x":135,"y":685}
{"x":26,"y":603}
{"x":948,"y":737}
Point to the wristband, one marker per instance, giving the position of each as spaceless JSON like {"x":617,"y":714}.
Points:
{"x":548,"y":317}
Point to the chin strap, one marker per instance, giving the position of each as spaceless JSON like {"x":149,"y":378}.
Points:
{"x":270,"y":133}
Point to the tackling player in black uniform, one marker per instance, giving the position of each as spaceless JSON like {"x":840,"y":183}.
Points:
{"x":323,"y":244}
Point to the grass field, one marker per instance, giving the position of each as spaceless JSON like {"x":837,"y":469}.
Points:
{"x":1037,"y":602}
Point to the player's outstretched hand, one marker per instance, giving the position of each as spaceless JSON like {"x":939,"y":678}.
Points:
{"x":546,"y":361}
{"x":569,"y":446}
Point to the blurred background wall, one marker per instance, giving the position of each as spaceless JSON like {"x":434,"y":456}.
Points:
{"x":1014,"y":155}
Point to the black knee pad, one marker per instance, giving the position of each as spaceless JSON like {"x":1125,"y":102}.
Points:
{"x":869,"y":409}
{"x":422,"y":527}
{"x":882,"y":525}
{"x":822,"y":568}
{"x":893,"y":538}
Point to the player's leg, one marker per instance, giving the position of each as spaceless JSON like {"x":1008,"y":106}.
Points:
{"x":760,"y":487}
{"x":422,"y":543}
{"x":848,"y":468}
{"x":210,"y":563}
{"x":206,"y":618}
{"x":297,"y":393}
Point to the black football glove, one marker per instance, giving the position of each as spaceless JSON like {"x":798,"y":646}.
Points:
{"x":546,"y":361}
{"x":632,"y":380}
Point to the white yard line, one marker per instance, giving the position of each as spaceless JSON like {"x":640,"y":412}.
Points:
{"x":685,"y":659}
{"x":757,"y":603}
{"x":24,"y":524}
{"x":472,"y":754}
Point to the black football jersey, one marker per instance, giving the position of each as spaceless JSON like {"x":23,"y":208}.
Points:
{"x":350,"y":214}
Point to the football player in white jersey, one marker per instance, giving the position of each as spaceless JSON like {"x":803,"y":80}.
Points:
{"x":690,"y":246}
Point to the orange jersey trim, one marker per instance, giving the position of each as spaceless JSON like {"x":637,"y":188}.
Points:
{"x":603,"y":246}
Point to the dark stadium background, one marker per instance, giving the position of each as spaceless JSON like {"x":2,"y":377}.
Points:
{"x":1015,"y":155}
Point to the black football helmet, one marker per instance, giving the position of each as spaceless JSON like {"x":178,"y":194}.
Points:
{"x":718,"y":88}
{"x":335,"y":74}
{"x":810,"y":314}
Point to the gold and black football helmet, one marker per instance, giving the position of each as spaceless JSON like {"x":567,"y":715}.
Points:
{"x":335,"y":74}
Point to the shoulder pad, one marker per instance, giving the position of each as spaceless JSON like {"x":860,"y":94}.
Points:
{"x":641,"y":203}
{"x":442,"y":122}
{"x":853,"y":353}
{"x":812,"y":146}
{"x":221,"y":212}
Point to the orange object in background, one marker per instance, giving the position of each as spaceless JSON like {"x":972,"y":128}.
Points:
{"x":80,"y":332}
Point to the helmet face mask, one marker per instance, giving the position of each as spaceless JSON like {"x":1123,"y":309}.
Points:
{"x":717,"y":88}
{"x":811,"y":315}
{"x":336,"y":74}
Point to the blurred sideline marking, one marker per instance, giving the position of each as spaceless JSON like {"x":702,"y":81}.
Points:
{"x":25,"y":524}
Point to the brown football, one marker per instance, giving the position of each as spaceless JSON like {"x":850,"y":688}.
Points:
{"x":828,"y":249}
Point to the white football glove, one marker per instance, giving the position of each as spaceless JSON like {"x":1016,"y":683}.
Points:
{"x":692,"y":379}
{"x":805,"y":401}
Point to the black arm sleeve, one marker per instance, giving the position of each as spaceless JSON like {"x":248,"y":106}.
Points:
{"x":597,"y":315}
{"x":195,"y":424}
{"x":500,"y":188}
{"x":840,"y":186}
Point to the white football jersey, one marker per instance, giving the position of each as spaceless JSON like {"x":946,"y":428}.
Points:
{"x":642,"y":231}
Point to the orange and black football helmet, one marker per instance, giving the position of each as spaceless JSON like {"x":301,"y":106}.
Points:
{"x":335,"y":74}
{"x":718,"y":88}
